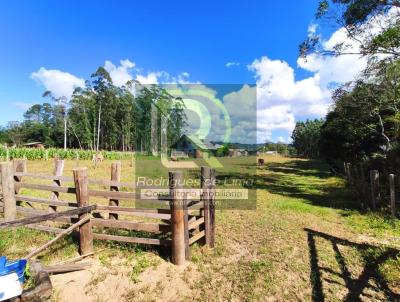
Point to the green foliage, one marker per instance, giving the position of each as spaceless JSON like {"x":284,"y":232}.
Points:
{"x":306,"y":138}
{"x":100,"y":116}
{"x":223,"y":151}
{"x":40,"y":154}
{"x":357,"y":17}
{"x":280,"y":148}
{"x":364,"y":122}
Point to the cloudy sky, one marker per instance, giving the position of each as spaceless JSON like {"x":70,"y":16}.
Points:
{"x":49,"y":45}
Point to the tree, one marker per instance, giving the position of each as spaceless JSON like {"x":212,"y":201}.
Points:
{"x":100,"y":116}
{"x":365,"y":119}
{"x":362,"y":22}
{"x":306,"y":138}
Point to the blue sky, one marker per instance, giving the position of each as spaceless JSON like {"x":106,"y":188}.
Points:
{"x":174,"y":37}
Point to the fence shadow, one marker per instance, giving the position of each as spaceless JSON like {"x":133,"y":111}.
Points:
{"x":373,"y":256}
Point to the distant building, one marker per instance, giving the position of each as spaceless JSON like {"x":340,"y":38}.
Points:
{"x":37,"y":145}
{"x":271,"y":152}
{"x":193,"y":146}
{"x":237,"y":152}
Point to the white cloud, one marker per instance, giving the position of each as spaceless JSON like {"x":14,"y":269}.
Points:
{"x":335,"y":69}
{"x":126,"y":71}
{"x":150,"y":78}
{"x":277,"y":86}
{"x":121,"y":74}
{"x":312,"y":29}
{"x":281,"y":139}
{"x":282,"y":99}
{"x":60,"y":83}
{"x":279,"y":117}
{"x":232,"y":64}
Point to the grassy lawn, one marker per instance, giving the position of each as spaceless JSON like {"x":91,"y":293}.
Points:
{"x":307,"y":240}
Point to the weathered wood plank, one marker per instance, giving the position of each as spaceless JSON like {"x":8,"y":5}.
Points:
{"x":102,"y":182}
{"x":131,"y":225}
{"x":109,"y":183}
{"x":45,"y":201}
{"x":19,"y":166}
{"x":206,"y":187}
{"x":66,"y":268}
{"x":44,"y":176}
{"x":115,"y":176}
{"x":116,"y":195}
{"x":132,"y":239}
{"x":58,"y":171}
{"x":29,"y":212}
{"x":8,"y":190}
{"x":47,"y":188}
{"x":212,"y":208}
{"x":44,"y":217}
{"x":135,"y":213}
{"x":196,"y":223}
{"x":177,"y":219}
{"x":375,"y":193}
{"x":82,"y":198}
{"x":130,"y":209}
{"x":58,"y":237}
{"x":197,"y":237}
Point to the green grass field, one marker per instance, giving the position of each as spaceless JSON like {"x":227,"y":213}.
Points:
{"x":307,"y":240}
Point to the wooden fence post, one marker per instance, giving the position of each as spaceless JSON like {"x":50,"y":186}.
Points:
{"x":7,"y":185}
{"x":115,"y":176}
{"x":58,"y":171}
{"x":186,"y":227}
{"x":19,"y":165}
{"x":348,"y":169}
{"x":205,"y":186}
{"x":177,"y":218}
{"x":82,"y":198}
{"x":392,"y":195}
{"x":212,"y":208}
{"x":375,"y":194}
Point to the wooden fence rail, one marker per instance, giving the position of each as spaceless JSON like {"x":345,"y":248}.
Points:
{"x":355,"y":175}
{"x":179,"y":224}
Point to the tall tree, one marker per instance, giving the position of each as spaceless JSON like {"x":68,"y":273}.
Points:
{"x":306,"y":138}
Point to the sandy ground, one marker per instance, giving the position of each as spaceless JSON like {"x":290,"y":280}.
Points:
{"x":113,"y":283}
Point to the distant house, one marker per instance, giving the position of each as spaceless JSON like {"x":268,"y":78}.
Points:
{"x":237,"y":152}
{"x":271,"y":152}
{"x":38,"y":145}
{"x":193,"y":146}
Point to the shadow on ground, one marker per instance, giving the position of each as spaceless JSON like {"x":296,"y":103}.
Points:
{"x":373,"y":257}
{"x":307,"y":180}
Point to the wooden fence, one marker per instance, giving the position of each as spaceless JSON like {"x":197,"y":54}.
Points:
{"x":179,"y":224}
{"x":372,"y":188}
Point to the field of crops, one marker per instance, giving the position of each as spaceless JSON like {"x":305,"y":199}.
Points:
{"x":48,"y":153}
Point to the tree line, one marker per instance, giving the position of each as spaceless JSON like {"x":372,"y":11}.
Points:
{"x":100,"y":115}
{"x":363,"y":124}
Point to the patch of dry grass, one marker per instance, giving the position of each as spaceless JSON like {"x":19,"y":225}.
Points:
{"x":305,"y":241}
